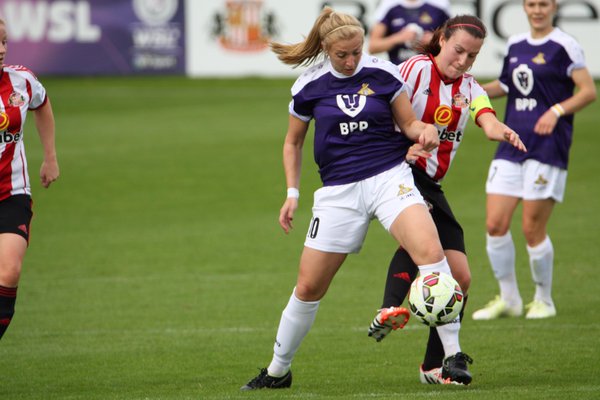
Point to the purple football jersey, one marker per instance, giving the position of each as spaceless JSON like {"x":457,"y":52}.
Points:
{"x":536,"y":75}
{"x":355,"y":136}
{"x":397,"y":14}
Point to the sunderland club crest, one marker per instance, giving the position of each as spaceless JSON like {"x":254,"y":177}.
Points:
{"x":244,"y":26}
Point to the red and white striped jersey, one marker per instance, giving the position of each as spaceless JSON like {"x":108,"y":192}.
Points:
{"x":446,"y":104}
{"x":20,"y":91}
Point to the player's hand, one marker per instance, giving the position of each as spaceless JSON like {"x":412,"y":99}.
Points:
{"x":286,"y":214}
{"x":415,"y":152}
{"x":49,"y":172}
{"x":429,"y":138}
{"x":546,"y":123}
{"x":406,"y":35}
{"x":513,"y":138}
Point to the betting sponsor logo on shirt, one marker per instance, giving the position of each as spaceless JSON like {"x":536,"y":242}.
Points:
{"x":7,"y":137}
{"x":450,"y":136}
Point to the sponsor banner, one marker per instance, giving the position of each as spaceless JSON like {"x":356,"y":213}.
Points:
{"x":230,"y":37}
{"x":96,"y":37}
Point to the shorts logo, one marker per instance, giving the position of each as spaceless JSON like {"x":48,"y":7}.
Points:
{"x":403,"y":190}
{"x":351,"y":104}
{"x":541,"y":180}
{"x":523,"y":79}
{"x":442,"y":115}
{"x":404,"y":276}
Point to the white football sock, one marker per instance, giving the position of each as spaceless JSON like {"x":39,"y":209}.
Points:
{"x":441,"y":266}
{"x":449,"y":336}
{"x":501,"y":253}
{"x":541,"y":262}
{"x":296,"y":320}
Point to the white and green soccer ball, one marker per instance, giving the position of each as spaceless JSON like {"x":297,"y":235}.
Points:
{"x":435,"y":299}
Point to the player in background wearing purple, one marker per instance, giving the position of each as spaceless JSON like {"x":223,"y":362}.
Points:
{"x":444,"y":94}
{"x":354,"y":99}
{"x":400,"y":25}
{"x":541,"y":70}
{"x":20,"y":91}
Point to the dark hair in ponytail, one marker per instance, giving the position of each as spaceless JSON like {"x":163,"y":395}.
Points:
{"x":469,"y":23}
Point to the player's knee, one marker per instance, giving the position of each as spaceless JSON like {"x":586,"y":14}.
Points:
{"x":495,"y":227}
{"x":308,"y":292}
{"x":10,"y":271}
{"x":464,"y":280}
{"x":428,"y":254}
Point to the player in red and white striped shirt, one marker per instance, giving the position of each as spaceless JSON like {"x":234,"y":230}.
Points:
{"x":443,"y":94}
{"x":20,"y":91}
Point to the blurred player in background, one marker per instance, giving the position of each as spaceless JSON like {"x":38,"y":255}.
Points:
{"x":541,"y":70}
{"x":20,"y":91}
{"x":400,"y":25}
{"x":354,"y":99}
{"x":444,"y":94}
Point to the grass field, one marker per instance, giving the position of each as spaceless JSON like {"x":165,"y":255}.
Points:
{"x":157,"y":269}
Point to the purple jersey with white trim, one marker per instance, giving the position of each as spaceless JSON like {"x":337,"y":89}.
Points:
{"x":536,"y":75}
{"x":397,"y":14}
{"x":355,"y":136}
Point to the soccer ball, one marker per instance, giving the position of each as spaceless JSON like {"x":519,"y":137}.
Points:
{"x":435,"y":299}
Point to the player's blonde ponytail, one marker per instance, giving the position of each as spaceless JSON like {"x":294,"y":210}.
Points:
{"x":329,"y":27}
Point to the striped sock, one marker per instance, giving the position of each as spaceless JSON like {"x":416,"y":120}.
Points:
{"x":8,"y":296}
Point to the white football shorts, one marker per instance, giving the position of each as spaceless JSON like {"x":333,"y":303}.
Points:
{"x":531,"y":180}
{"x":342,"y":213}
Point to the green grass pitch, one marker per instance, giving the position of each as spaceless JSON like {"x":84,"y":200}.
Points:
{"x":157,"y":269}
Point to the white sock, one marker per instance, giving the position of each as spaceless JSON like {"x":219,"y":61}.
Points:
{"x":501,"y":253}
{"x":541,"y":261}
{"x":441,"y":266}
{"x":296,"y":320}
{"x":448,"y":333}
{"x":449,"y":336}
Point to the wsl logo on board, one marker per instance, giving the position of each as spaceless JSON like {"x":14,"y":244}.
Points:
{"x":155,"y":12}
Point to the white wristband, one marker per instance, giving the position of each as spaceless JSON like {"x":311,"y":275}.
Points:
{"x":558,"y":110}
{"x":293,"y":193}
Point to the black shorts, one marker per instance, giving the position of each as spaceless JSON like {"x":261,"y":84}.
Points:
{"x":450,"y":231}
{"x":15,"y":215}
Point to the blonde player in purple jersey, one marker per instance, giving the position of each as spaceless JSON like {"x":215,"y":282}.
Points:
{"x":541,"y":70}
{"x":354,"y":99}
{"x":20,"y":92}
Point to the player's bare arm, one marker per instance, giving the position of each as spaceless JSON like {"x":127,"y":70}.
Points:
{"x":585,"y":94}
{"x":44,"y":122}
{"x":414,"y":129}
{"x":292,"y":165}
{"x":494,"y":89}
{"x":500,"y":132}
